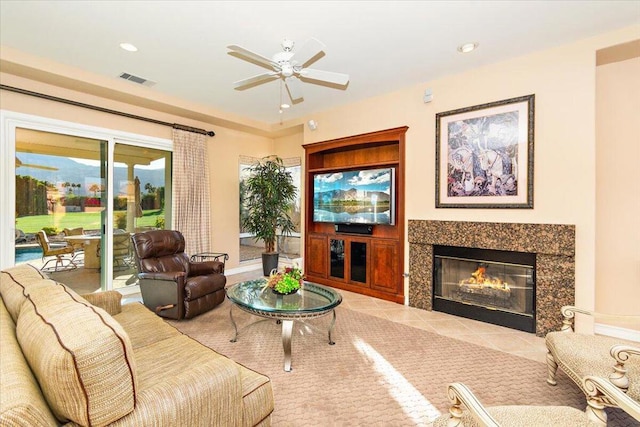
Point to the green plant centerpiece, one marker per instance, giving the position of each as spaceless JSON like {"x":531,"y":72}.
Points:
{"x":269,"y":196}
{"x":287,"y":281}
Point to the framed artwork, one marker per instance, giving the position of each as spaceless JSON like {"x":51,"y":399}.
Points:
{"x":484,"y":155}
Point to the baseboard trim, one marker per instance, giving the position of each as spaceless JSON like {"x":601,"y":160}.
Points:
{"x":129,"y":290}
{"x":242,"y":269}
{"x":283,"y":262}
{"x":617,"y":332}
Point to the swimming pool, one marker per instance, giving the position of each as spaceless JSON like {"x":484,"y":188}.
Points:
{"x":28,"y":254}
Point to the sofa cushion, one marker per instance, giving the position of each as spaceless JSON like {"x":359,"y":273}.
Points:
{"x":15,"y":283}
{"x":193,"y":385}
{"x":80,"y":355}
{"x":21,"y":402}
{"x":138,"y":322}
{"x":257,"y":397}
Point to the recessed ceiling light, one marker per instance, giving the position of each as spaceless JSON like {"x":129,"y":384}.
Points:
{"x":467,"y":47}
{"x":285,"y":106}
{"x":128,"y":47}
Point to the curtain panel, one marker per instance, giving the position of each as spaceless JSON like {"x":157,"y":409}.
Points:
{"x":191,"y":190}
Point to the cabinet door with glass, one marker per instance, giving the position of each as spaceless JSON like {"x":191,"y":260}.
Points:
{"x":358,"y":262}
{"x":349,"y":260}
{"x":337,"y":258}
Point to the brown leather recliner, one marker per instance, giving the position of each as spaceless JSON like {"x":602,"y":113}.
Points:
{"x":173,"y":286}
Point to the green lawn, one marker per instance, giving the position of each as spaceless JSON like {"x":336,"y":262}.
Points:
{"x":86,"y":220}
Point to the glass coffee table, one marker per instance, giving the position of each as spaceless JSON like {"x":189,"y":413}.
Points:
{"x":311,"y":301}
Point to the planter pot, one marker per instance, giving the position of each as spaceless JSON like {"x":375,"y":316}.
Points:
{"x":269,"y":262}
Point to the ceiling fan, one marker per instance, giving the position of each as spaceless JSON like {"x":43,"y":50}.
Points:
{"x":27,"y":165}
{"x":289,"y":66}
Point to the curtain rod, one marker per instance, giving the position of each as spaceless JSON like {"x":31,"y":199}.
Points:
{"x":106,"y":110}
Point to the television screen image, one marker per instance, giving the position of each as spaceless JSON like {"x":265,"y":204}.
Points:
{"x":364,"y":196}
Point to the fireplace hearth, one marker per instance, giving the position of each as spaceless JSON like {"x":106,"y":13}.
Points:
{"x":492,"y":286}
{"x":551,"y":245}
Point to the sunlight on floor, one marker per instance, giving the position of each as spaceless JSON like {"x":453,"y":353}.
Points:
{"x":399,"y":388}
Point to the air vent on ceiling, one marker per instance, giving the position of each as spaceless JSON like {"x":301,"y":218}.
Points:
{"x":137,"y":79}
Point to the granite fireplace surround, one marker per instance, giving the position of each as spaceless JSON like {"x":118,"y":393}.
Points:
{"x":553,"y":244}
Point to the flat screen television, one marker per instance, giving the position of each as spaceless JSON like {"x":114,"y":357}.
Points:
{"x":361,"y":196}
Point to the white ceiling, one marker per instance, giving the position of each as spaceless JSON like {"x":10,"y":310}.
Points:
{"x":382,"y":45}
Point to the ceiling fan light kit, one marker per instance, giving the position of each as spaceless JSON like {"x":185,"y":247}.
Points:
{"x":467,"y":47}
{"x":289,"y":66}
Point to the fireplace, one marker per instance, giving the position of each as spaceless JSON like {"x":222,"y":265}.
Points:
{"x":551,"y":245}
{"x":488,"y":285}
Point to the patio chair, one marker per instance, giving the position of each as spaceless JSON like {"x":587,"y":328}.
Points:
{"x":20,"y":236}
{"x":63,"y":256}
{"x":79,"y":231}
{"x":122,"y":255}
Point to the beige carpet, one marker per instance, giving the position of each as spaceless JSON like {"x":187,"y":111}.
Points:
{"x":379,"y":373}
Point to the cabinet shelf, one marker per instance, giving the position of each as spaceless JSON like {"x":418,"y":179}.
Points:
{"x":358,"y":166}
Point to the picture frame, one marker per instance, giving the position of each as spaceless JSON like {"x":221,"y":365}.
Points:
{"x":484,"y":155}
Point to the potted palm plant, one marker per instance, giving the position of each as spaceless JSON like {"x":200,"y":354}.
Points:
{"x":269,"y":194}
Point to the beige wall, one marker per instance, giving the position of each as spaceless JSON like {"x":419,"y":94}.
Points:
{"x":617,"y":190}
{"x":563,"y":80}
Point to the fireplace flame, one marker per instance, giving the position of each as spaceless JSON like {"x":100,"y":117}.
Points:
{"x":481,"y":280}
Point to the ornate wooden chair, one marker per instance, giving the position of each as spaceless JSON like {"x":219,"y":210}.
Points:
{"x":599,"y":390}
{"x":582,"y":355}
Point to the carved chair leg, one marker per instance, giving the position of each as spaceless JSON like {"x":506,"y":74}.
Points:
{"x":552,"y":369}
{"x":456,"y":415}
{"x":595,"y":412}
{"x":619,"y":375}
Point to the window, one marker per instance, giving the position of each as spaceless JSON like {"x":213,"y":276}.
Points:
{"x":288,"y":246}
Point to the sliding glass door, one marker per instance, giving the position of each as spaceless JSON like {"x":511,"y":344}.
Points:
{"x":60,"y":183}
{"x":142,"y":201}
{"x":74,"y":196}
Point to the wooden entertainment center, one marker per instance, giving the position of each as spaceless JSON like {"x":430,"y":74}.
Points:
{"x":367,"y":259}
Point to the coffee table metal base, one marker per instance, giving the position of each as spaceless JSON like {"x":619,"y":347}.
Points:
{"x":287,"y":327}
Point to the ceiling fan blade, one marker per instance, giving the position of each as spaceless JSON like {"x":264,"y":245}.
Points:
{"x":293,"y":86}
{"x":27,"y":165}
{"x":310,"y":50}
{"x":255,"y":80}
{"x":253,"y":57}
{"x":325,"y":76}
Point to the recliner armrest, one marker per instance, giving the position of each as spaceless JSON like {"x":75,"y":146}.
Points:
{"x":176,"y":276}
{"x":205,"y":267}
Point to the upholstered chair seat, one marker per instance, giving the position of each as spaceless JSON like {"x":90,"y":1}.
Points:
{"x":467,"y":411}
{"x":582,"y":355}
{"x":171,"y":284}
